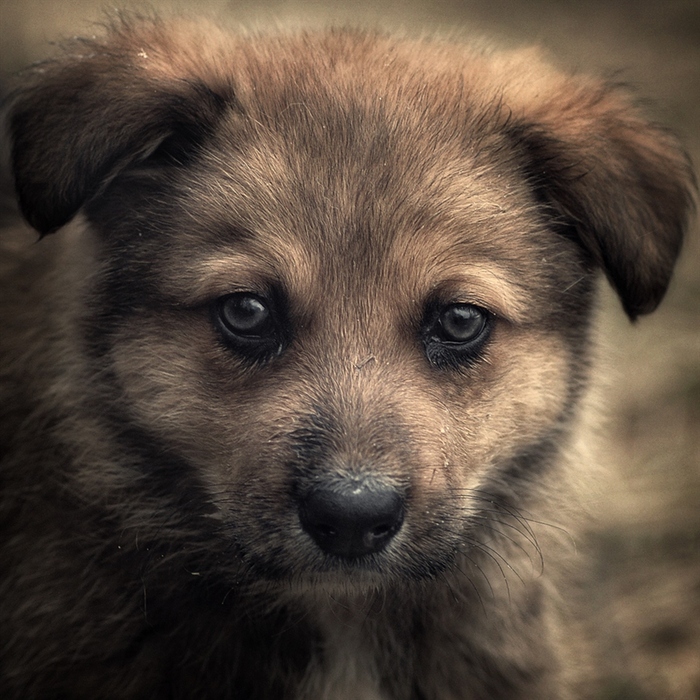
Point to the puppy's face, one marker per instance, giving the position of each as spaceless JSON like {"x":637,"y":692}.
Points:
{"x":354,"y":308}
{"x":312,"y":321}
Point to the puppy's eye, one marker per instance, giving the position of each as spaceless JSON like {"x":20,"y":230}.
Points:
{"x":461,"y":323}
{"x":454,"y":335}
{"x":246,"y":315}
{"x":248,"y":324}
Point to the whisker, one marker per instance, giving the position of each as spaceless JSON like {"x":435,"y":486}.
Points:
{"x":481,"y":571}
{"x":519,"y":546}
{"x":495,"y":555}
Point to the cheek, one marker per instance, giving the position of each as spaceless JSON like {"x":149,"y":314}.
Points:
{"x":181,"y":387}
{"x":534,"y":385}
{"x":162,"y":367}
{"x":513,"y":402}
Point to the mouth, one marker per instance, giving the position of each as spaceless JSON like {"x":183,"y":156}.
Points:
{"x":344,"y":563}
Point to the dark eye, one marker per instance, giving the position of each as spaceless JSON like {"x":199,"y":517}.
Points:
{"x":454,"y":334}
{"x":461,"y":323}
{"x":249,"y":325}
{"x":246,"y":315}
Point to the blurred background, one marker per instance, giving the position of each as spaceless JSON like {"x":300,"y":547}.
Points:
{"x":646,"y":587}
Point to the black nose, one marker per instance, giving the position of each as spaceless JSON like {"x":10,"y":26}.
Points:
{"x":352,"y":517}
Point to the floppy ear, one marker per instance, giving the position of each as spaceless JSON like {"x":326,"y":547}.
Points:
{"x":80,"y":119}
{"x":619,"y":184}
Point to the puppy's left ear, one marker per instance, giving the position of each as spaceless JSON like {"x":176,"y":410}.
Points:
{"x":105,"y":103}
{"x":620,"y":184}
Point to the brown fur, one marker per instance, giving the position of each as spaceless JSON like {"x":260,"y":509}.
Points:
{"x":153,"y":477}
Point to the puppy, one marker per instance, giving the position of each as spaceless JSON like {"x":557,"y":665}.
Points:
{"x":294,"y":403}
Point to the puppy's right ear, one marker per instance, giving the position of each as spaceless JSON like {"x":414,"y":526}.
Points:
{"x":82,"y":118}
{"x":610,"y":178}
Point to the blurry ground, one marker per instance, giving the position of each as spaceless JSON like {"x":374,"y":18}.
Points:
{"x":646,"y":589}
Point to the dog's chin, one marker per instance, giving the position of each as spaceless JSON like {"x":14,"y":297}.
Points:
{"x":352,"y":587}
{"x":347,"y":578}
{"x":339,"y":585}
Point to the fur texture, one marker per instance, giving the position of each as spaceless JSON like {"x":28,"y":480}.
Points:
{"x":414,"y":230}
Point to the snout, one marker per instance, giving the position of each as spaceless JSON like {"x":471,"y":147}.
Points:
{"x":352,"y":516}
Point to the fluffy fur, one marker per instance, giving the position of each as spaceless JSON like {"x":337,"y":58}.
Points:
{"x":156,"y":473}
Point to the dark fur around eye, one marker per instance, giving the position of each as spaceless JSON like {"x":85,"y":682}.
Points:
{"x":454,"y":334}
{"x":250,"y":325}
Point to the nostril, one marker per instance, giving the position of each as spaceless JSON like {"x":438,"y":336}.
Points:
{"x":381,"y":530}
{"x":352,"y":518}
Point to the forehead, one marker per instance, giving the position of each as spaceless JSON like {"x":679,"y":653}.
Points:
{"x":340,"y":174}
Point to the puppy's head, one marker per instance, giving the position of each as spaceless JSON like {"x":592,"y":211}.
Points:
{"x":343,"y":283}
